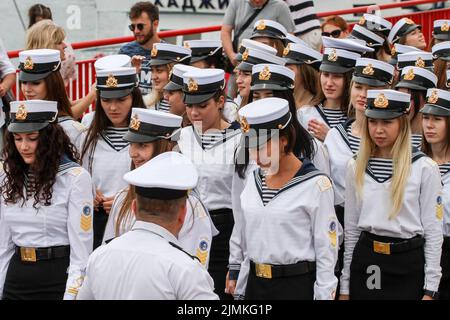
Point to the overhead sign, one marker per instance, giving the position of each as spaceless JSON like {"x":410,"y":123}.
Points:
{"x":192,"y":6}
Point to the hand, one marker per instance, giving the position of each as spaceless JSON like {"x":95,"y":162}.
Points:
{"x":107,"y":204}
{"x":426,"y":297}
{"x":3,"y":90}
{"x":98,"y":201}
{"x":344,"y":297}
{"x":318,"y":129}
{"x":136,"y":61}
{"x":233,"y":59}
{"x":230,"y":285}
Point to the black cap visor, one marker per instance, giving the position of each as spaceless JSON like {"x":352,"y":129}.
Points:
{"x":435,"y":110}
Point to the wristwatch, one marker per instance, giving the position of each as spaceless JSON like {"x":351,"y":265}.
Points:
{"x":432,"y":294}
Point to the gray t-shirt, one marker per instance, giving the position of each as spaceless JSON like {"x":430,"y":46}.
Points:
{"x":239,"y":11}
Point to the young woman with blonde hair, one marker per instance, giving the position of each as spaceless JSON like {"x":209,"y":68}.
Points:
{"x":164,"y":57}
{"x":392,"y":226}
{"x":45,"y":34}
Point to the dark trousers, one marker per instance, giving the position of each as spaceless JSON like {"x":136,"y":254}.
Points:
{"x":220,"y":250}
{"x":41,"y":280}
{"x":401,"y":274}
{"x":444,"y":287}
{"x":340,"y":263}
{"x":288,"y":288}
{"x":100,"y":220}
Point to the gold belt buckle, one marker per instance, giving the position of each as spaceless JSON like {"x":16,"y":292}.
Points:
{"x":263,"y":270}
{"x":382,"y":247}
{"x":28,"y":254}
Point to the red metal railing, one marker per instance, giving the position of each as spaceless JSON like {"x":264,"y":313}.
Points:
{"x":86,"y":71}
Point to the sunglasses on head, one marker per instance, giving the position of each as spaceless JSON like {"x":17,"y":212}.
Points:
{"x":133,"y":26}
{"x":335,"y":34}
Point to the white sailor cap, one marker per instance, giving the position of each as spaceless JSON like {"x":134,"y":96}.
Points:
{"x":373,"y":72}
{"x":253,"y":56}
{"x":261,"y":119}
{"x":387,"y":104}
{"x":441,"y":29}
{"x":400,"y":49}
{"x":353,"y":45}
{"x":290,"y":38}
{"x":268,"y":28}
{"x":165,"y":53}
{"x":272,"y":77}
{"x":416,"y":78}
{"x":202,"y":84}
{"x":176,"y":77}
{"x":202,"y":49}
{"x":375,"y":23}
{"x":402,"y":28}
{"x":297,"y":53}
{"x":441,"y":51}
{"x":372,"y":39}
{"x":338,"y":60}
{"x":116,"y":83}
{"x":149,"y":125}
{"x":38,"y":64}
{"x":248,"y":43}
{"x":421,"y":59}
{"x":437,"y":103}
{"x":32,"y":115}
{"x":113,"y":61}
{"x":168,"y":176}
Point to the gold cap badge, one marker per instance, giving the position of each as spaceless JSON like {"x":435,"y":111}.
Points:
{"x":192,"y":85}
{"x":245,"y":55}
{"x":393,"y":51}
{"x":368,"y":70}
{"x":409,"y":75}
{"x":244,"y":125}
{"x":362,"y":20}
{"x":154,"y":52}
{"x":409,"y":21}
{"x":420,"y":63}
{"x":112,"y":82}
{"x":28,"y":64}
{"x":186,"y":45}
{"x":135,"y":123}
{"x":21,"y":113}
{"x":265,"y":74}
{"x":433,"y":98}
{"x":333,"y":55}
{"x":261,"y":25}
{"x":381,"y":101}
{"x":286,"y":50}
{"x":445,"y":27}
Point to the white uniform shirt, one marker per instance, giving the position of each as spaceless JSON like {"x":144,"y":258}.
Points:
{"x":290,"y":229}
{"x":445,"y":175}
{"x":418,"y":215}
{"x":307,"y":113}
{"x":108,"y":167}
{"x":87,"y":119}
{"x":143,"y":265}
{"x":74,"y":130}
{"x":339,"y":153}
{"x":215,"y":166}
{"x":67,"y":221}
{"x":195,"y":236}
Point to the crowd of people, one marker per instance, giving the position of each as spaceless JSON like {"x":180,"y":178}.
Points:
{"x":319,"y":170}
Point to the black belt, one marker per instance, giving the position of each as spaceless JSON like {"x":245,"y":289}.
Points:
{"x":221,"y":216}
{"x":269,"y":271}
{"x":37,"y":254}
{"x":380,"y":245}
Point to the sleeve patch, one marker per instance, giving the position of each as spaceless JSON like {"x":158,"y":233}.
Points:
{"x":202,"y":251}
{"x":439,"y":208}
{"x":324,"y":184}
{"x":332,"y":233}
{"x":86,"y":219}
